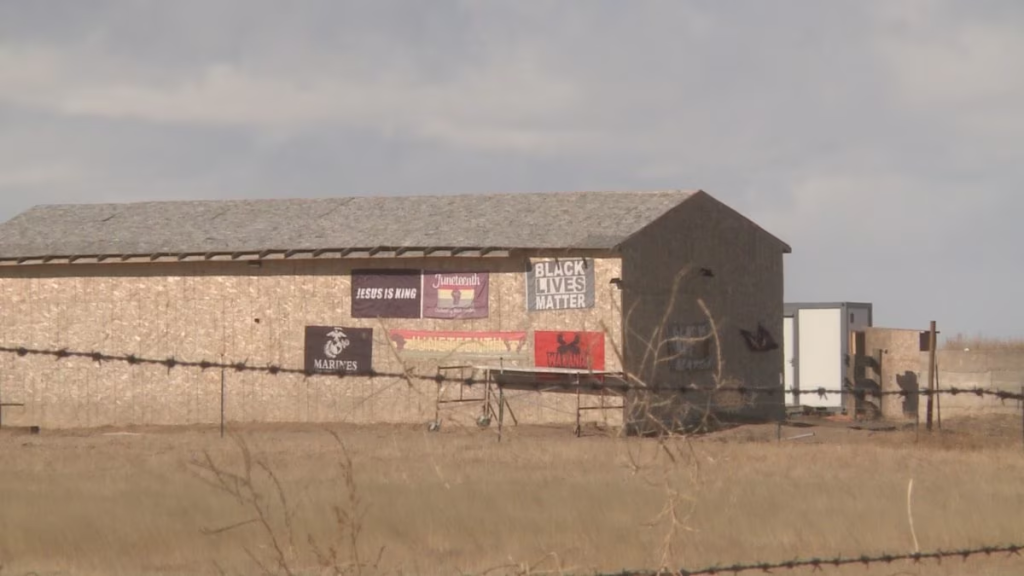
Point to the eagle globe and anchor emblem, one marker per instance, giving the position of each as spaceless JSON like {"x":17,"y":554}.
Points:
{"x":337,"y":343}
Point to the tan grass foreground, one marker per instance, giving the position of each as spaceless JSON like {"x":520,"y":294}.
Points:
{"x":457,"y":502}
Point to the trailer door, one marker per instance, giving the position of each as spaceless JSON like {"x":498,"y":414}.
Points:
{"x":820,"y":356}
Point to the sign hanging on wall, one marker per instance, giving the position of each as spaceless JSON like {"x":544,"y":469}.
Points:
{"x":560,"y":284}
{"x":576,"y":350}
{"x":455,"y":294}
{"x":689,"y":347}
{"x":432,"y":344}
{"x":386,"y":293}
{"x":333,"y":349}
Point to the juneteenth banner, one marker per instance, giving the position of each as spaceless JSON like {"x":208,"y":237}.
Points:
{"x":333,"y":349}
{"x":386,"y":293}
{"x":560,"y":284}
{"x":576,"y":350}
{"x":430,"y":343}
{"x":455,"y":294}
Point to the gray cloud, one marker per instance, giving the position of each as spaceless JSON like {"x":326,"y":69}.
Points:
{"x":881,"y":139}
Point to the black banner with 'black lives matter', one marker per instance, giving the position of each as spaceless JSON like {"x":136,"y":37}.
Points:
{"x":560,"y":284}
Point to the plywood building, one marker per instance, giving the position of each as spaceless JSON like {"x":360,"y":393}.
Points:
{"x":378,"y":287}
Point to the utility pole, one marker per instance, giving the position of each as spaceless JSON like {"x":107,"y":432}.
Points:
{"x":931,"y":373}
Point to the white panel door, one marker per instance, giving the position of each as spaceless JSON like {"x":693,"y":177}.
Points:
{"x":787,"y":352}
{"x":820,"y":355}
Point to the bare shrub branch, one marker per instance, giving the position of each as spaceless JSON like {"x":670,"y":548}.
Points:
{"x":341,"y":557}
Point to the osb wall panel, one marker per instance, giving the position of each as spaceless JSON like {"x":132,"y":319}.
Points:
{"x":232,"y":312}
{"x":744,"y":290}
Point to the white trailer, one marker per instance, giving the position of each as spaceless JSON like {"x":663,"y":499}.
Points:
{"x":816,"y":345}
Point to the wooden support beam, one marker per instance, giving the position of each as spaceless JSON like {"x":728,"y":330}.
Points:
{"x":931,"y":374}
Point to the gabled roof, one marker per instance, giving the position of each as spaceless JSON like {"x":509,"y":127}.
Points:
{"x":473,"y":224}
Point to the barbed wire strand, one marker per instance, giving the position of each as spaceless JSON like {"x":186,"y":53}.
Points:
{"x":598,"y":381}
{"x":818,"y":564}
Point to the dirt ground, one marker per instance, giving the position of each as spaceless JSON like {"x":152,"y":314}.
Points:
{"x":456,"y":501}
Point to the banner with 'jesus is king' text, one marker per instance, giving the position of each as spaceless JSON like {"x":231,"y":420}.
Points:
{"x":386,"y":293}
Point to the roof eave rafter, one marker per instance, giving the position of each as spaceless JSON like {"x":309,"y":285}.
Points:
{"x":258,"y":255}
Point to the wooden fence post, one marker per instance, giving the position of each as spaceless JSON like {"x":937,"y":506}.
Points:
{"x":221,"y":402}
{"x":931,"y":373}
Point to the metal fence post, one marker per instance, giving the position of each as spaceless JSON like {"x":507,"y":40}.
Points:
{"x":221,"y":402}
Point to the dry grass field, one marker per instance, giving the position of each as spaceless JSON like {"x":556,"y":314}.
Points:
{"x":542,"y":501}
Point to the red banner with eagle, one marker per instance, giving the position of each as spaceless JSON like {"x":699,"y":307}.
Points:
{"x":569,"y":349}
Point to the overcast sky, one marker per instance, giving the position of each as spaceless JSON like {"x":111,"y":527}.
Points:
{"x":884,"y":140}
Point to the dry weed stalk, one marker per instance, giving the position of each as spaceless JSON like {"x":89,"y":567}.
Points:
{"x":674,"y":467}
{"x":407,"y":375}
{"x":677,"y":462}
{"x":529,"y":569}
{"x":910,"y":514}
{"x":407,"y":372}
{"x":347,"y":520}
{"x":680,"y":473}
{"x":244,"y":488}
{"x":33,"y":573}
{"x":656,"y":351}
{"x":676,"y":522}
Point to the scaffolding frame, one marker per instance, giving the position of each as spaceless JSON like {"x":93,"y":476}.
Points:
{"x":603,"y":384}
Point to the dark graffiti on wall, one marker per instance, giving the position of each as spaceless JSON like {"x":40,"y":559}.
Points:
{"x":690,"y":347}
{"x":760,"y":341}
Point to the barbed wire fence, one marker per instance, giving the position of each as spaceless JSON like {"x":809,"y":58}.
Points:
{"x":601,"y":381}
{"x":597,"y":382}
{"x":818,"y":564}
